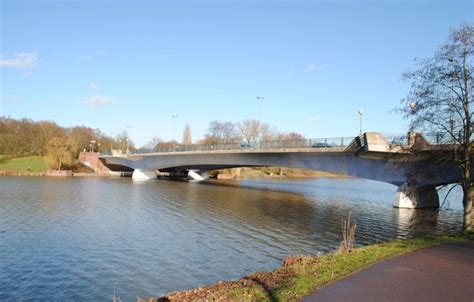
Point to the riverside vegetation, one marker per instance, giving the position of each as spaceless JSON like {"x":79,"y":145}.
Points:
{"x":61,"y":146}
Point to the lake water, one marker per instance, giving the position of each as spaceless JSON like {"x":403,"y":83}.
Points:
{"x":86,"y":238}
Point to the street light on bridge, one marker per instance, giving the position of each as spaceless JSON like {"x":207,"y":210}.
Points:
{"x":259,"y":100}
{"x":413,"y":108}
{"x":174,"y":130}
{"x":128,"y":140}
{"x":361,"y":113}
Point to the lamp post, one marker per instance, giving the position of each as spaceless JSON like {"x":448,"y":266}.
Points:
{"x":174,"y":130}
{"x":259,"y":100}
{"x":361,"y":113}
{"x":112,"y":142}
{"x":92,"y":145}
{"x":98,"y":147}
{"x":128,"y":140}
{"x":128,"y":150}
{"x":413,"y":108}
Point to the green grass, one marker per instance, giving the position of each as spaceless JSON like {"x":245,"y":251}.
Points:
{"x":36,"y":163}
{"x":319,"y":271}
{"x":305,"y":274}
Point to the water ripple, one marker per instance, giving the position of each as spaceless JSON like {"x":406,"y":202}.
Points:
{"x":81,"y":239}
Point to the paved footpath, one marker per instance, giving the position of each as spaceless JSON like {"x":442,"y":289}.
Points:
{"x":440,"y":273}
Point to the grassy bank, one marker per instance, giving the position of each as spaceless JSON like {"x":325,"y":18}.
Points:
{"x":301,"y":275}
{"x":36,"y":163}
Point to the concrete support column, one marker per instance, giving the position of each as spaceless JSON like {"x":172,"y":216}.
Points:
{"x":412,"y":197}
{"x":198,"y":175}
{"x":143,"y":174}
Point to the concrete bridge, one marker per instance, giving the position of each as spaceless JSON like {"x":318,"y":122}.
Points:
{"x":371,"y":156}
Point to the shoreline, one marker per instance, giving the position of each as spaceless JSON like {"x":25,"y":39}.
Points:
{"x":299,"y":276}
{"x":45,"y":174}
{"x":21,"y":173}
{"x":219,"y":175}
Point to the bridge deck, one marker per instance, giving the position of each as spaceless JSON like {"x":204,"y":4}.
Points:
{"x":238,"y":151}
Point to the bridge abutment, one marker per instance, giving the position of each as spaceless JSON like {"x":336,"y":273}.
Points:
{"x":412,"y":197}
{"x":139,"y":174}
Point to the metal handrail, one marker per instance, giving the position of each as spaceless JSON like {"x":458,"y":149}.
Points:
{"x":437,"y":138}
{"x":330,"y":142}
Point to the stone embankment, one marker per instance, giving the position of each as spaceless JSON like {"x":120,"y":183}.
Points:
{"x":59,"y":173}
{"x":20,"y":173}
{"x":52,"y":173}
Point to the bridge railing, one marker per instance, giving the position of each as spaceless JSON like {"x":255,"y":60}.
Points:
{"x":331,"y":142}
{"x":432,"y":138}
{"x":439,"y":138}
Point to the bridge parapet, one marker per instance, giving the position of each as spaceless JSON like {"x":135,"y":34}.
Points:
{"x":368,"y":142}
{"x":395,"y":143}
{"x":383,"y":143}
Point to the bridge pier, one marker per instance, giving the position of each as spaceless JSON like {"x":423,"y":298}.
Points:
{"x":139,"y":174}
{"x":198,"y":175}
{"x":412,"y":197}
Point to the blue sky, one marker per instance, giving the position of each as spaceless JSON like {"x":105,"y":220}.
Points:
{"x":113,"y":64}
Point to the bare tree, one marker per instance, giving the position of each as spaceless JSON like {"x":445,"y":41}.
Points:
{"x":440,"y":101}
{"x":153,"y":143}
{"x":250,"y":131}
{"x":220,"y":133}
{"x":124,"y":142}
{"x":187,"y":138}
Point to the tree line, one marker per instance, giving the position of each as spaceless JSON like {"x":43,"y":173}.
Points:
{"x":248,"y":132}
{"x":62,"y":145}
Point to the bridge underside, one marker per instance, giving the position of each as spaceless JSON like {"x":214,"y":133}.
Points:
{"x":205,"y":168}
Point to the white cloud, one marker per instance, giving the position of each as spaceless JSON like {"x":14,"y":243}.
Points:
{"x":101,"y":52}
{"x":291,"y":72}
{"x":314,"y":67}
{"x":310,"y":68}
{"x":83,"y":58}
{"x":21,"y":60}
{"x":28,"y":74}
{"x":75,"y":85}
{"x":93,"y":86}
{"x":312,"y":120}
{"x":98,"y":100}
{"x":9,"y":98}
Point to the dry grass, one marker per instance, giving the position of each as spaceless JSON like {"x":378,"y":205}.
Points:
{"x":348,"y":235}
